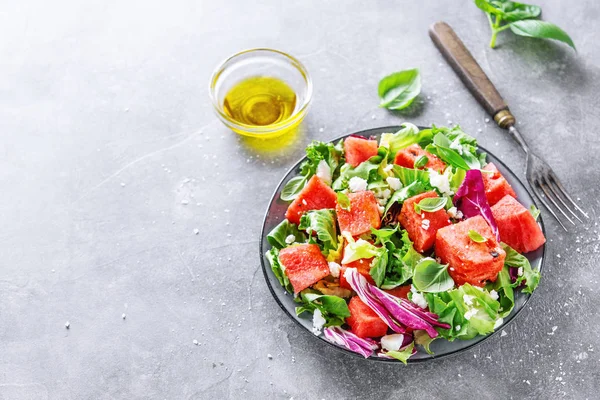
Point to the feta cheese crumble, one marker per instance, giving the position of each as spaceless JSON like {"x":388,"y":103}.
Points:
{"x":470,"y":313}
{"x":468,"y":299}
{"x":418,"y":298}
{"x":455,"y":213}
{"x":290,"y":239}
{"x":498,"y":323}
{"x":357,"y":184}
{"x":324,"y":172}
{"x":440,"y":182}
{"x":388,"y":168}
{"x":520,"y":271}
{"x":392,"y":342}
{"x":425,"y":224}
{"x":393,"y":182}
{"x":318,"y":322}
{"x":494,"y":294}
{"x":457,"y":327}
{"x":334,"y":269}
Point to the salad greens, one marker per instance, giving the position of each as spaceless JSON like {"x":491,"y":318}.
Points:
{"x":409,"y":290}
{"x":398,"y":90}
{"x":521,"y":19}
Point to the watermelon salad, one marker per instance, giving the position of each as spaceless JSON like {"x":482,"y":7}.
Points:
{"x":393,"y":243}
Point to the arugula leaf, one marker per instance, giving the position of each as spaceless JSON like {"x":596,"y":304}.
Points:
{"x":431,"y":277}
{"x":278,"y":269}
{"x":541,"y":29}
{"x":441,"y":147}
{"x":476,"y":236}
{"x":398,"y":90}
{"x":430,"y":204}
{"x":535,"y":212}
{"x":402,"y":259}
{"x":333,"y":308}
{"x":278,"y":235}
{"x":402,"y":355}
{"x":530,"y":277}
{"x":321,"y":222}
{"x":408,"y":135}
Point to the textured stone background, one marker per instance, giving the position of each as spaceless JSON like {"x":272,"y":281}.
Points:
{"x":106,"y":127}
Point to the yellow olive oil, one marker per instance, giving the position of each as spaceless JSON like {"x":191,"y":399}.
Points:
{"x":260,"y":101}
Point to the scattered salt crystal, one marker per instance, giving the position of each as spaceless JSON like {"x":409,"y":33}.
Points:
{"x":122,"y":184}
{"x":269,"y":356}
{"x":196,"y":231}
{"x":185,"y":202}
{"x":67,"y":324}
{"x":503,"y":334}
{"x":195,"y":342}
{"x":487,"y":120}
{"x":123,"y":316}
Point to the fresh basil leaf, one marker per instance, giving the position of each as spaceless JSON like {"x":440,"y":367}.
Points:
{"x":512,"y":11}
{"x":430,"y":204}
{"x":332,"y":305}
{"x":541,"y":29}
{"x":476,"y":236}
{"x":293,"y":187}
{"x":421,"y":161}
{"x":343,"y":201}
{"x":486,"y":7}
{"x":398,"y":90}
{"x":321,"y":222}
{"x":441,"y":148}
{"x":278,"y":235}
{"x":278,"y":269}
{"x":402,"y":355}
{"x":432,"y":277}
{"x":530,"y":276}
{"x":535,"y":212}
{"x":408,"y":135}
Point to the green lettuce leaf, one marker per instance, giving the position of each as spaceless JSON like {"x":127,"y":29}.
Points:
{"x":323,"y":223}
{"x":402,"y":355}
{"x":279,"y":234}
{"x":278,"y":269}
{"x":530,"y":277}
{"x":333,"y":308}
{"x":408,"y":135}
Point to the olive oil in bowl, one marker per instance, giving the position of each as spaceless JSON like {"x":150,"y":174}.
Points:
{"x":260,"y":101}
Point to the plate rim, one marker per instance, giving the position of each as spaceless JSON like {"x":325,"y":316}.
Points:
{"x":364,"y":132}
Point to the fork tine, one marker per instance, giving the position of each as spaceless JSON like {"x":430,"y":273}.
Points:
{"x":536,"y":192}
{"x":544,"y":187}
{"x":555,"y":192}
{"x":564,"y":192}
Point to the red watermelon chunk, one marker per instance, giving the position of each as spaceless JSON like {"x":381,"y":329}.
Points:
{"x":517,"y":226}
{"x":406,"y":158}
{"x":363,"y":266}
{"x":400,"y":291}
{"x":304,"y":265}
{"x":359,"y":149}
{"x":469,"y":261}
{"x":362,"y":216}
{"x":363,"y":321}
{"x":316,"y":195}
{"x":423,"y":239}
{"x":496,"y":187}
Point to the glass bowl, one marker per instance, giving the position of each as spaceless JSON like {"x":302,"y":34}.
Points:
{"x":261,"y":62}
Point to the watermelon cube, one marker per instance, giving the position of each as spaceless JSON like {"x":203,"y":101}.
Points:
{"x":496,"y":187}
{"x":400,"y":291}
{"x":469,"y":261}
{"x":363,"y":266}
{"x":358,"y":149}
{"x":422,"y":227}
{"x":517,"y":226}
{"x":304,"y":265}
{"x":316,"y":195}
{"x":407,"y":157}
{"x":363,"y":321}
{"x":362,"y":216}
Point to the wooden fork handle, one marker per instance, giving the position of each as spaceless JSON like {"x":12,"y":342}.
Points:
{"x":465,"y":66}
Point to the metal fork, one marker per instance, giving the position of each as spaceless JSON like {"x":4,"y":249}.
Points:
{"x":545,"y":184}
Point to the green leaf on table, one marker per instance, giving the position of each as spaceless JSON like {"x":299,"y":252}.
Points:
{"x":398,"y":90}
{"x":542,"y":30}
{"x":512,"y":11}
{"x":476,"y":236}
{"x":432,"y":277}
{"x":278,"y":237}
{"x":430,"y":204}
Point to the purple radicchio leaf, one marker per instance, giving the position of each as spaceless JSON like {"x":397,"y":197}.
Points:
{"x":470,"y":199}
{"x":349,"y":340}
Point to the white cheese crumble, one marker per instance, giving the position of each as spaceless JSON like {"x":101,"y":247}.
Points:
{"x":381,"y":209}
{"x":290,"y":239}
{"x":388,"y":168}
{"x":468,"y":299}
{"x":425,"y":224}
{"x":457,"y":327}
{"x":318,"y":322}
{"x":393,"y":182}
{"x":470,"y":313}
{"x":520,"y":271}
{"x":455,"y":213}
{"x":418,"y":298}
{"x":357,"y":184}
{"x":324,"y":172}
{"x":440,"y":182}
{"x":392,"y":342}
{"x":494,"y":294}
{"x":498,"y":323}
{"x":334,"y":269}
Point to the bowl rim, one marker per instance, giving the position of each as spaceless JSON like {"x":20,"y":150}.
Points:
{"x":266,"y":129}
{"x":485,"y":338}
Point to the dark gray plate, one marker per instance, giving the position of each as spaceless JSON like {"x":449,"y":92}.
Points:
{"x":441,"y":348}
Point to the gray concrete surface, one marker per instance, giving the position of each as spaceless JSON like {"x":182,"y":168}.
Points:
{"x":107,"y":130}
